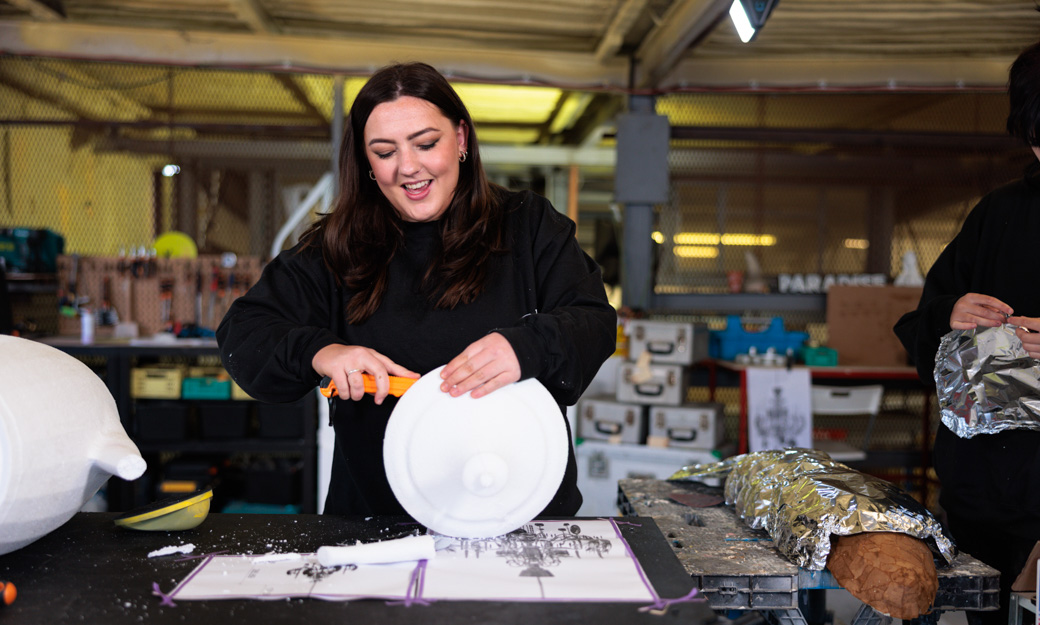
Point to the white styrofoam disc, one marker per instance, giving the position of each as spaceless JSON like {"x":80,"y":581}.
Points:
{"x":475,"y":468}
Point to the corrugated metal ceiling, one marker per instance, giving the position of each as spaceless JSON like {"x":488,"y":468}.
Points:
{"x":592,"y":52}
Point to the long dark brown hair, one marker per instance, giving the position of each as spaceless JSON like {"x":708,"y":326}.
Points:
{"x":363,"y":231}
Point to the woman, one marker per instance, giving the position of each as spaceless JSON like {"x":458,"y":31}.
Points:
{"x":421,"y":263}
{"x":986,"y":276}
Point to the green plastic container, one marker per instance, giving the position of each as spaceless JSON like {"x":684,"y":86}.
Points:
{"x":206,"y":388}
{"x":820,"y":356}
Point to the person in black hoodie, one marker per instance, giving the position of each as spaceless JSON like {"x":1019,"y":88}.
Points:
{"x":990,"y":483}
{"x":422,"y":262}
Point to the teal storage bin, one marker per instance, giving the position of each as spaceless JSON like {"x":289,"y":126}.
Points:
{"x":820,"y":356}
{"x":728,"y":343}
{"x":205,"y":388}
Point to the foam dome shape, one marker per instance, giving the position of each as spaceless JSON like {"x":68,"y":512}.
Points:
{"x":475,"y":468}
{"x":60,"y":440}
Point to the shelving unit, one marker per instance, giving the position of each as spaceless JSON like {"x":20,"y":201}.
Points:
{"x":32,"y":297}
{"x":281,"y":435}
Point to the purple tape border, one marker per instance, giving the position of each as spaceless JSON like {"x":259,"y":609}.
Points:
{"x":416,"y":584}
{"x":415,"y":588}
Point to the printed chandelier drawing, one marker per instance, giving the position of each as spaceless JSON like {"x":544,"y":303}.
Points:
{"x":749,"y":16}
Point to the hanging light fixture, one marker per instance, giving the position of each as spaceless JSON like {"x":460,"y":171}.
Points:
{"x":749,"y":16}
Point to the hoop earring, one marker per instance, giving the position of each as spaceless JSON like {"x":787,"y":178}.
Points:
{"x":462,"y":157}
{"x":371,"y":175}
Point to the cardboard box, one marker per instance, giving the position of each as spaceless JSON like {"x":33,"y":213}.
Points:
{"x":860,"y":321}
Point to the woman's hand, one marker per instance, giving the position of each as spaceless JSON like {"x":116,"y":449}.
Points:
{"x":1028,"y":331}
{"x":974,"y":309}
{"x":486,"y":365}
{"x":345,"y":364}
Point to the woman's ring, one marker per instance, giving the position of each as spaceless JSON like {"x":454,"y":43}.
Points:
{"x":353,"y":371}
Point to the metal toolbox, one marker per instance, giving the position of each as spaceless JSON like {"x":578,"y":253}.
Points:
{"x":668,"y":342}
{"x":691,"y":426}
{"x":655,"y":384}
{"x":603,"y":418}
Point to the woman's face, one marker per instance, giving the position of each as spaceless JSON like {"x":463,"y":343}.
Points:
{"x":413,"y":150}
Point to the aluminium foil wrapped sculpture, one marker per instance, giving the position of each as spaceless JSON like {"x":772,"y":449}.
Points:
{"x":808,"y":504}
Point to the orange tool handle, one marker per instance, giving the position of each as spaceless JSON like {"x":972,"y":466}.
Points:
{"x":398,"y":385}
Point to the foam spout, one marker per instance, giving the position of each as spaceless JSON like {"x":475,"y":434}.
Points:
{"x":121,"y":458}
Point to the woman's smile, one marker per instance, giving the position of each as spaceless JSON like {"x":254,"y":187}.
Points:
{"x":414,"y":151}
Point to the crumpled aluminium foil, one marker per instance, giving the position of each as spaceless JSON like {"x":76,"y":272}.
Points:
{"x":801,"y":497}
{"x":986,"y":382}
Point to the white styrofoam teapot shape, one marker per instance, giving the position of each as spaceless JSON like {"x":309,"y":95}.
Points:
{"x":60,"y":440}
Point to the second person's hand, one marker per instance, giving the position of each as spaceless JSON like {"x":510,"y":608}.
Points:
{"x":1028,"y":331}
{"x":975,"y":309}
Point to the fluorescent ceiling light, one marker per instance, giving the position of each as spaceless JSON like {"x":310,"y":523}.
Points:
{"x":713,"y":238}
{"x":749,"y":16}
{"x":574,"y":104}
{"x":740,"y":20}
{"x":695,"y":251}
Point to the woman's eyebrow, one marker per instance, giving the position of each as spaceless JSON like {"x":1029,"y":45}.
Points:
{"x":409,"y":137}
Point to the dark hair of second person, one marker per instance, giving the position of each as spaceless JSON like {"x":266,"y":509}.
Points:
{"x":1024,"y":94}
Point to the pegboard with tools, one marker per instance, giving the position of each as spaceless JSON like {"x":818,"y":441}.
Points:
{"x":156,"y":294}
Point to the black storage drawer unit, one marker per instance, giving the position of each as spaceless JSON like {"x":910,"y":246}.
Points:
{"x":280,"y":420}
{"x":224,"y":419}
{"x":166,"y":421}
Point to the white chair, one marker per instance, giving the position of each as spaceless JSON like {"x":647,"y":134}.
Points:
{"x":847,"y":401}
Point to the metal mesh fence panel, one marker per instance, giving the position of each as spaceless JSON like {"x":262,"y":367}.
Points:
{"x":112,"y":156}
{"x":820,"y":186}
{"x":826,"y":184}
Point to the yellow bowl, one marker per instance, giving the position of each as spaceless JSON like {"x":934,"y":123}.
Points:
{"x":171,"y":514}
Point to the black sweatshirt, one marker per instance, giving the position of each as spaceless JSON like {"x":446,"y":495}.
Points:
{"x":990,"y":478}
{"x":545,"y":295}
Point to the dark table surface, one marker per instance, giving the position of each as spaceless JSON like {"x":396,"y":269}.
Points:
{"x":91,"y":571}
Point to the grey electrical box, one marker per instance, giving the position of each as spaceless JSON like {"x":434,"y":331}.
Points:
{"x":641,"y":174}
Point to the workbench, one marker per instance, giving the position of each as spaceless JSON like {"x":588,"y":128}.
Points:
{"x":737,"y":567}
{"x":91,"y":571}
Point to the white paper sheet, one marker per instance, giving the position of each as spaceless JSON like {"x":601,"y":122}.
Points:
{"x":258,"y":577}
{"x":542,"y":561}
{"x":561,"y":561}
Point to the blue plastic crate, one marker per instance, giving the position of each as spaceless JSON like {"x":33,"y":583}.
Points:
{"x":728,"y":343}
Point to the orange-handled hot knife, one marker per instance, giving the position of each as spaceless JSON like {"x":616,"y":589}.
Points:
{"x":398,"y":385}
